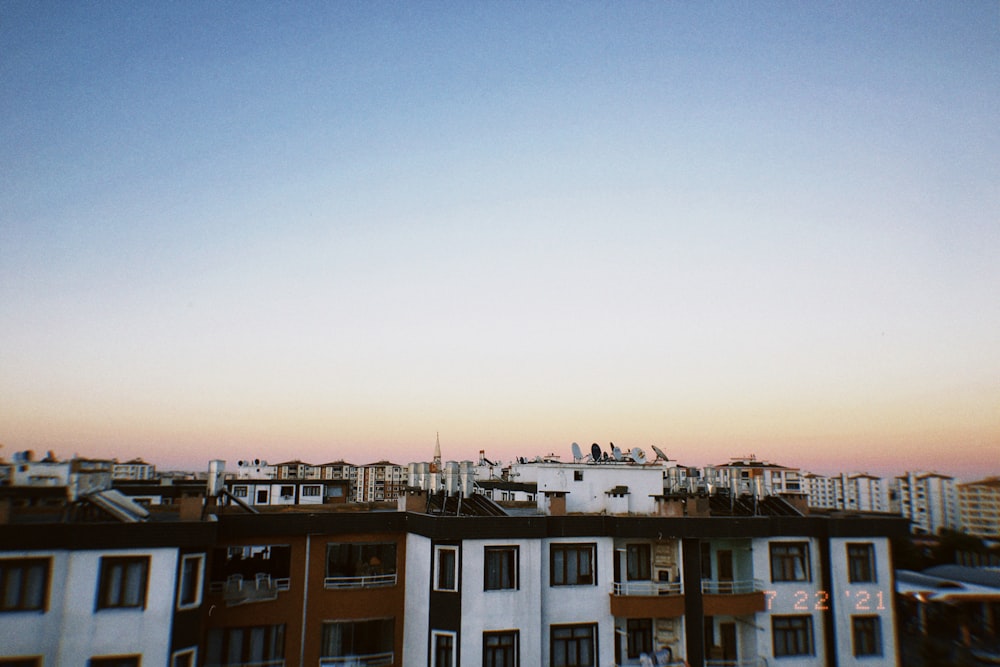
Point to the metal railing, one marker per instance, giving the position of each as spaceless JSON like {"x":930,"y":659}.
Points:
{"x":370,"y":660}
{"x":647,"y":588}
{"x":739,"y":587}
{"x":638,"y":663}
{"x":371,"y":581}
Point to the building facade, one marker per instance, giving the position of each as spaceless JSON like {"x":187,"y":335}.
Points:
{"x":979,"y":507}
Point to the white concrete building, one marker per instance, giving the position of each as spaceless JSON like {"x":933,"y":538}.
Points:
{"x":929,"y":500}
{"x":860,"y":492}
{"x":136,"y":469}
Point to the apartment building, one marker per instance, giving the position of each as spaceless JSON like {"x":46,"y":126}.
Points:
{"x":752,"y":476}
{"x":860,"y":492}
{"x":136,"y":469}
{"x":979,"y":507}
{"x":379,"y":481}
{"x":712,"y":580}
{"x":928,"y":499}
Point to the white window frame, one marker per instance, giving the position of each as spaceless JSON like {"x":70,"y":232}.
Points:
{"x":199,"y":585}
{"x":438,"y":550}
{"x":454,"y":645}
{"x":184,"y":652}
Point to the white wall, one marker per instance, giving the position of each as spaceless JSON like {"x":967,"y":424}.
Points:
{"x":589,"y":495}
{"x":875,"y":598}
{"x":418,"y":599}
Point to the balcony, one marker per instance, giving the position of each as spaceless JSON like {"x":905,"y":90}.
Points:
{"x":647,"y":599}
{"x":639,"y":663}
{"x":369,"y":581}
{"x":732,"y":598}
{"x":370,"y":660}
{"x":236,"y":590}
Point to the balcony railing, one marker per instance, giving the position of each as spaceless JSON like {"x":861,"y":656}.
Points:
{"x":647,"y":588}
{"x":371,"y":581}
{"x":277,"y":662}
{"x":370,"y":660}
{"x":741,"y":662}
{"x":739,"y":587}
{"x":638,"y":663}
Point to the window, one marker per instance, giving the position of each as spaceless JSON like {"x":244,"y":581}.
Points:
{"x":792,"y":635}
{"x":262,"y":496}
{"x":287,"y":491}
{"x":24,"y":584}
{"x":186,"y":658}
{"x":21,"y":662}
{"x":572,"y":564}
{"x":573,"y":646}
{"x":248,"y":561}
{"x":444,"y":649}
{"x":860,"y":563}
{"x":500,"y":568}
{"x":122,"y":583}
{"x":189,"y":585}
{"x":577,"y":475}
{"x":114,"y":661}
{"x":867,"y":634}
{"x":350,"y":639}
{"x":360,"y":564}
{"x":445,"y":568}
{"x":639,"y":635}
{"x":240,"y":491}
{"x":637,"y":559}
{"x":312,"y":491}
{"x":500,"y":649}
{"x":249,"y":644}
{"x":790,"y":561}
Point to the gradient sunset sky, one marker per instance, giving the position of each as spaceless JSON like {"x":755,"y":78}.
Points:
{"x":331,"y":230}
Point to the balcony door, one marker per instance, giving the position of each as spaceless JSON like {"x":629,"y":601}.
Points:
{"x":727,"y":637}
{"x":725,"y":566}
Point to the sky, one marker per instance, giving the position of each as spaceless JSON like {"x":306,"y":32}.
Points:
{"x":327,"y":231}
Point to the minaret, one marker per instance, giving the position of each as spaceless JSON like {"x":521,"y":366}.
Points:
{"x":436,"y":466}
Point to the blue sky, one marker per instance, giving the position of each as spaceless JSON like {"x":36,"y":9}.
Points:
{"x":332,"y":230}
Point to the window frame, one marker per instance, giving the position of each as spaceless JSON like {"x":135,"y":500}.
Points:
{"x":439,"y":551}
{"x":510,"y":653}
{"x":358,"y":640}
{"x":24,"y":566}
{"x":190,"y":652}
{"x":791,"y":632}
{"x":513,"y":567}
{"x":105,"y":569}
{"x":783,"y":564}
{"x":559,"y":576}
{"x":199,"y":585}
{"x":573,"y":628}
{"x":115,"y":661}
{"x":643,"y":561}
{"x":638,"y":631}
{"x":865,"y":561}
{"x":874,"y":632}
{"x":438,"y":635}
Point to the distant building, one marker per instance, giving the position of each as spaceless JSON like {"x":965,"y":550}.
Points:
{"x":928,"y":499}
{"x":298,"y":470}
{"x":979,"y":507}
{"x":255,"y":469}
{"x":379,"y":481}
{"x":858,"y":492}
{"x":136,"y":469}
{"x":750,"y":475}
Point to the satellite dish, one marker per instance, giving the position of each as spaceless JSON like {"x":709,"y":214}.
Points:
{"x":616,"y":452}
{"x":577,"y":454}
{"x":659,"y":453}
{"x":638,"y":456}
{"x":595,"y":452}
{"x":256,"y":462}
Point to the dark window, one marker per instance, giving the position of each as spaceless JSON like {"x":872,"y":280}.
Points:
{"x":577,"y":475}
{"x":639,"y":633}
{"x":792,"y":635}
{"x":262,"y":497}
{"x":240,"y":491}
{"x":288,"y":491}
{"x":185,"y":658}
{"x":189,"y":586}
{"x":573,"y":564}
{"x":444,"y":649}
{"x":24,"y":584}
{"x":500,"y":568}
{"x":21,"y":662}
{"x":860,"y":563}
{"x":790,"y":561}
{"x":115,"y":661}
{"x":249,"y":644}
{"x":344,"y":639}
{"x":361,"y":563}
{"x":122,"y":582}
{"x":310,"y":490}
{"x":867,"y":634}
{"x":500,"y":649}
{"x":573,"y":646}
{"x":446,"y":569}
{"x":637,"y":558}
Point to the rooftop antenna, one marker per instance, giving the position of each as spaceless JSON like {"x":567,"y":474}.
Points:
{"x":595,"y":452}
{"x":659,"y":454}
{"x":615,"y":452}
{"x":638,"y":455}
{"x":577,"y":454}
